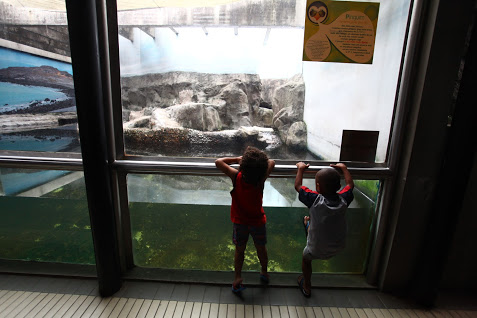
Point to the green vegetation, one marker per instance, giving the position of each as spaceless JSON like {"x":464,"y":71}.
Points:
{"x":72,"y":191}
{"x":47,"y":230}
{"x":368,"y":187}
{"x":56,"y":228}
{"x":200,"y":237}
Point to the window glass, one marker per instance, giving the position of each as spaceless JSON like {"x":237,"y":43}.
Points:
{"x":44,"y":216}
{"x":183,"y":222}
{"x":209,"y":79}
{"x":37,"y":100}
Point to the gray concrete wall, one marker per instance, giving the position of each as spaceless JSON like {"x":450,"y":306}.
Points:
{"x":52,"y":39}
{"x":241,"y":13}
{"x":16,"y":15}
{"x":48,"y":30}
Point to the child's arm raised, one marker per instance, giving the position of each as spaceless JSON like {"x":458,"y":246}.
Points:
{"x":299,"y":175}
{"x":347,"y":176}
{"x":224,"y":165}
{"x":271,"y":165}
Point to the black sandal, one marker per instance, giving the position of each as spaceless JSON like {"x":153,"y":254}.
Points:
{"x":301,"y":282}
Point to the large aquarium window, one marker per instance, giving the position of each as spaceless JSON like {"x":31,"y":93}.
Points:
{"x":198,"y":79}
{"x":37,"y":99}
{"x":44,"y":216}
{"x":208,"y":79}
{"x":183,"y":222}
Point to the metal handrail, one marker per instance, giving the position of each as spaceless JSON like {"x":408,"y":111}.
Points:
{"x":172,"y":166}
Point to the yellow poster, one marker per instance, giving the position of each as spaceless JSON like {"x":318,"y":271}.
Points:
{"x":340,"y":31}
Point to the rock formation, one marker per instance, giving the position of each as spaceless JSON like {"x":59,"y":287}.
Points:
{"x":200,"y":111}
{"x":183,"y":113}
{"x":45,"y":76}
{"x":47,"y":113}
{"x":26,"y":122}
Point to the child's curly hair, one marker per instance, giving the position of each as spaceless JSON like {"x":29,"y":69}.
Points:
{"x":254,"y":165}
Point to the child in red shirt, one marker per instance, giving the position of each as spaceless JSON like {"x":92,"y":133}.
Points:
{"x":246,"y":212}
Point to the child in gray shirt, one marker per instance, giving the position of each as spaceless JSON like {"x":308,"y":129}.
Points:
{"x":326,"y":225}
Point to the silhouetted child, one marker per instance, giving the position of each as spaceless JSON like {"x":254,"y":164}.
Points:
{"x":246,"y":212}
{"x":325,"y":227}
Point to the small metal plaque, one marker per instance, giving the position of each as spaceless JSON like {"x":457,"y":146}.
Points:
{"x":359,"y":145}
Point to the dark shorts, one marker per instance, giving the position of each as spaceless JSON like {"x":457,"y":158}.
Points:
{"x":241,"y":232}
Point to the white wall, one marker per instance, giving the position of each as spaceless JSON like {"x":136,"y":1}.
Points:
{"x":220,"y":51}
{"x":343,"y":96}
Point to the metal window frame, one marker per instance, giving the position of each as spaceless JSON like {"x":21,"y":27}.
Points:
{"x":120,"y":164}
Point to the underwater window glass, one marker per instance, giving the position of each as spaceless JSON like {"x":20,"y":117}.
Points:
{"x":44,"y":216}
{"x":183,"y":222}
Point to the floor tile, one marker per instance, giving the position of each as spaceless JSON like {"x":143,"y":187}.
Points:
{"x":212,"y":294}
{"x":180,"y":292}
{"x":277,"y":296}
{"x":164,"y":291}
{"x":261,"y":296}
{"x":196,"y":293}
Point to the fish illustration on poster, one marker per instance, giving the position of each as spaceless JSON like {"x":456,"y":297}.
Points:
{"x":340,"y":31}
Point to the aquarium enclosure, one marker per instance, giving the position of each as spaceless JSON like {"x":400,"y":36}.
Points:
{"x":211,"y":79}
{"x":191,"y":81}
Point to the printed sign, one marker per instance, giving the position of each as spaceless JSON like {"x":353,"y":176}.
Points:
{"x":340,"y":31}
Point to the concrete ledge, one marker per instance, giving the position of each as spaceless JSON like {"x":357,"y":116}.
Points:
{"x":216,"y":278}
{"x":47,"y":269}
{"x":31,"y":50}
{"x":224,"y":278}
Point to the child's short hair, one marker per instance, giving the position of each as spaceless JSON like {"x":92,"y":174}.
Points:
{"x":254,"y":165}
{"x":329,"y":180}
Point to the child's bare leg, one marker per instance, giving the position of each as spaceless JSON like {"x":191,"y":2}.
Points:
{"x":306,"y":269}
{"x":263,"y":258}
{"x":238,"y":262}
{"x":306,"y":219}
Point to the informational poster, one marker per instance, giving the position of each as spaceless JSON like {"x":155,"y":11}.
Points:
{"x":340,"y":31}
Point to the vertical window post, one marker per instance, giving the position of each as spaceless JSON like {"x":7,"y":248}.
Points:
{"x":90,"y":88}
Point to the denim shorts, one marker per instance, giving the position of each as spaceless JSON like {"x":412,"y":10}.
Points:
{"x":242,"y":231}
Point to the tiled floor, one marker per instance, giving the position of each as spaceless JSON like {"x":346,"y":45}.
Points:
{"x":38,"y":296}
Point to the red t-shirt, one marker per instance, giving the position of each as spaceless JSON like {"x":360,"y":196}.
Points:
{"x":247,"y":203}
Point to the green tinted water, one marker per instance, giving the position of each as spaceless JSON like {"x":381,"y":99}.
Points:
{"x":48,"y":230}
{"x":200,"y":237}
{"x":179,"y":236}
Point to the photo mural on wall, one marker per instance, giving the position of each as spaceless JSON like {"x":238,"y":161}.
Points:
{"x":37,"y":104}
